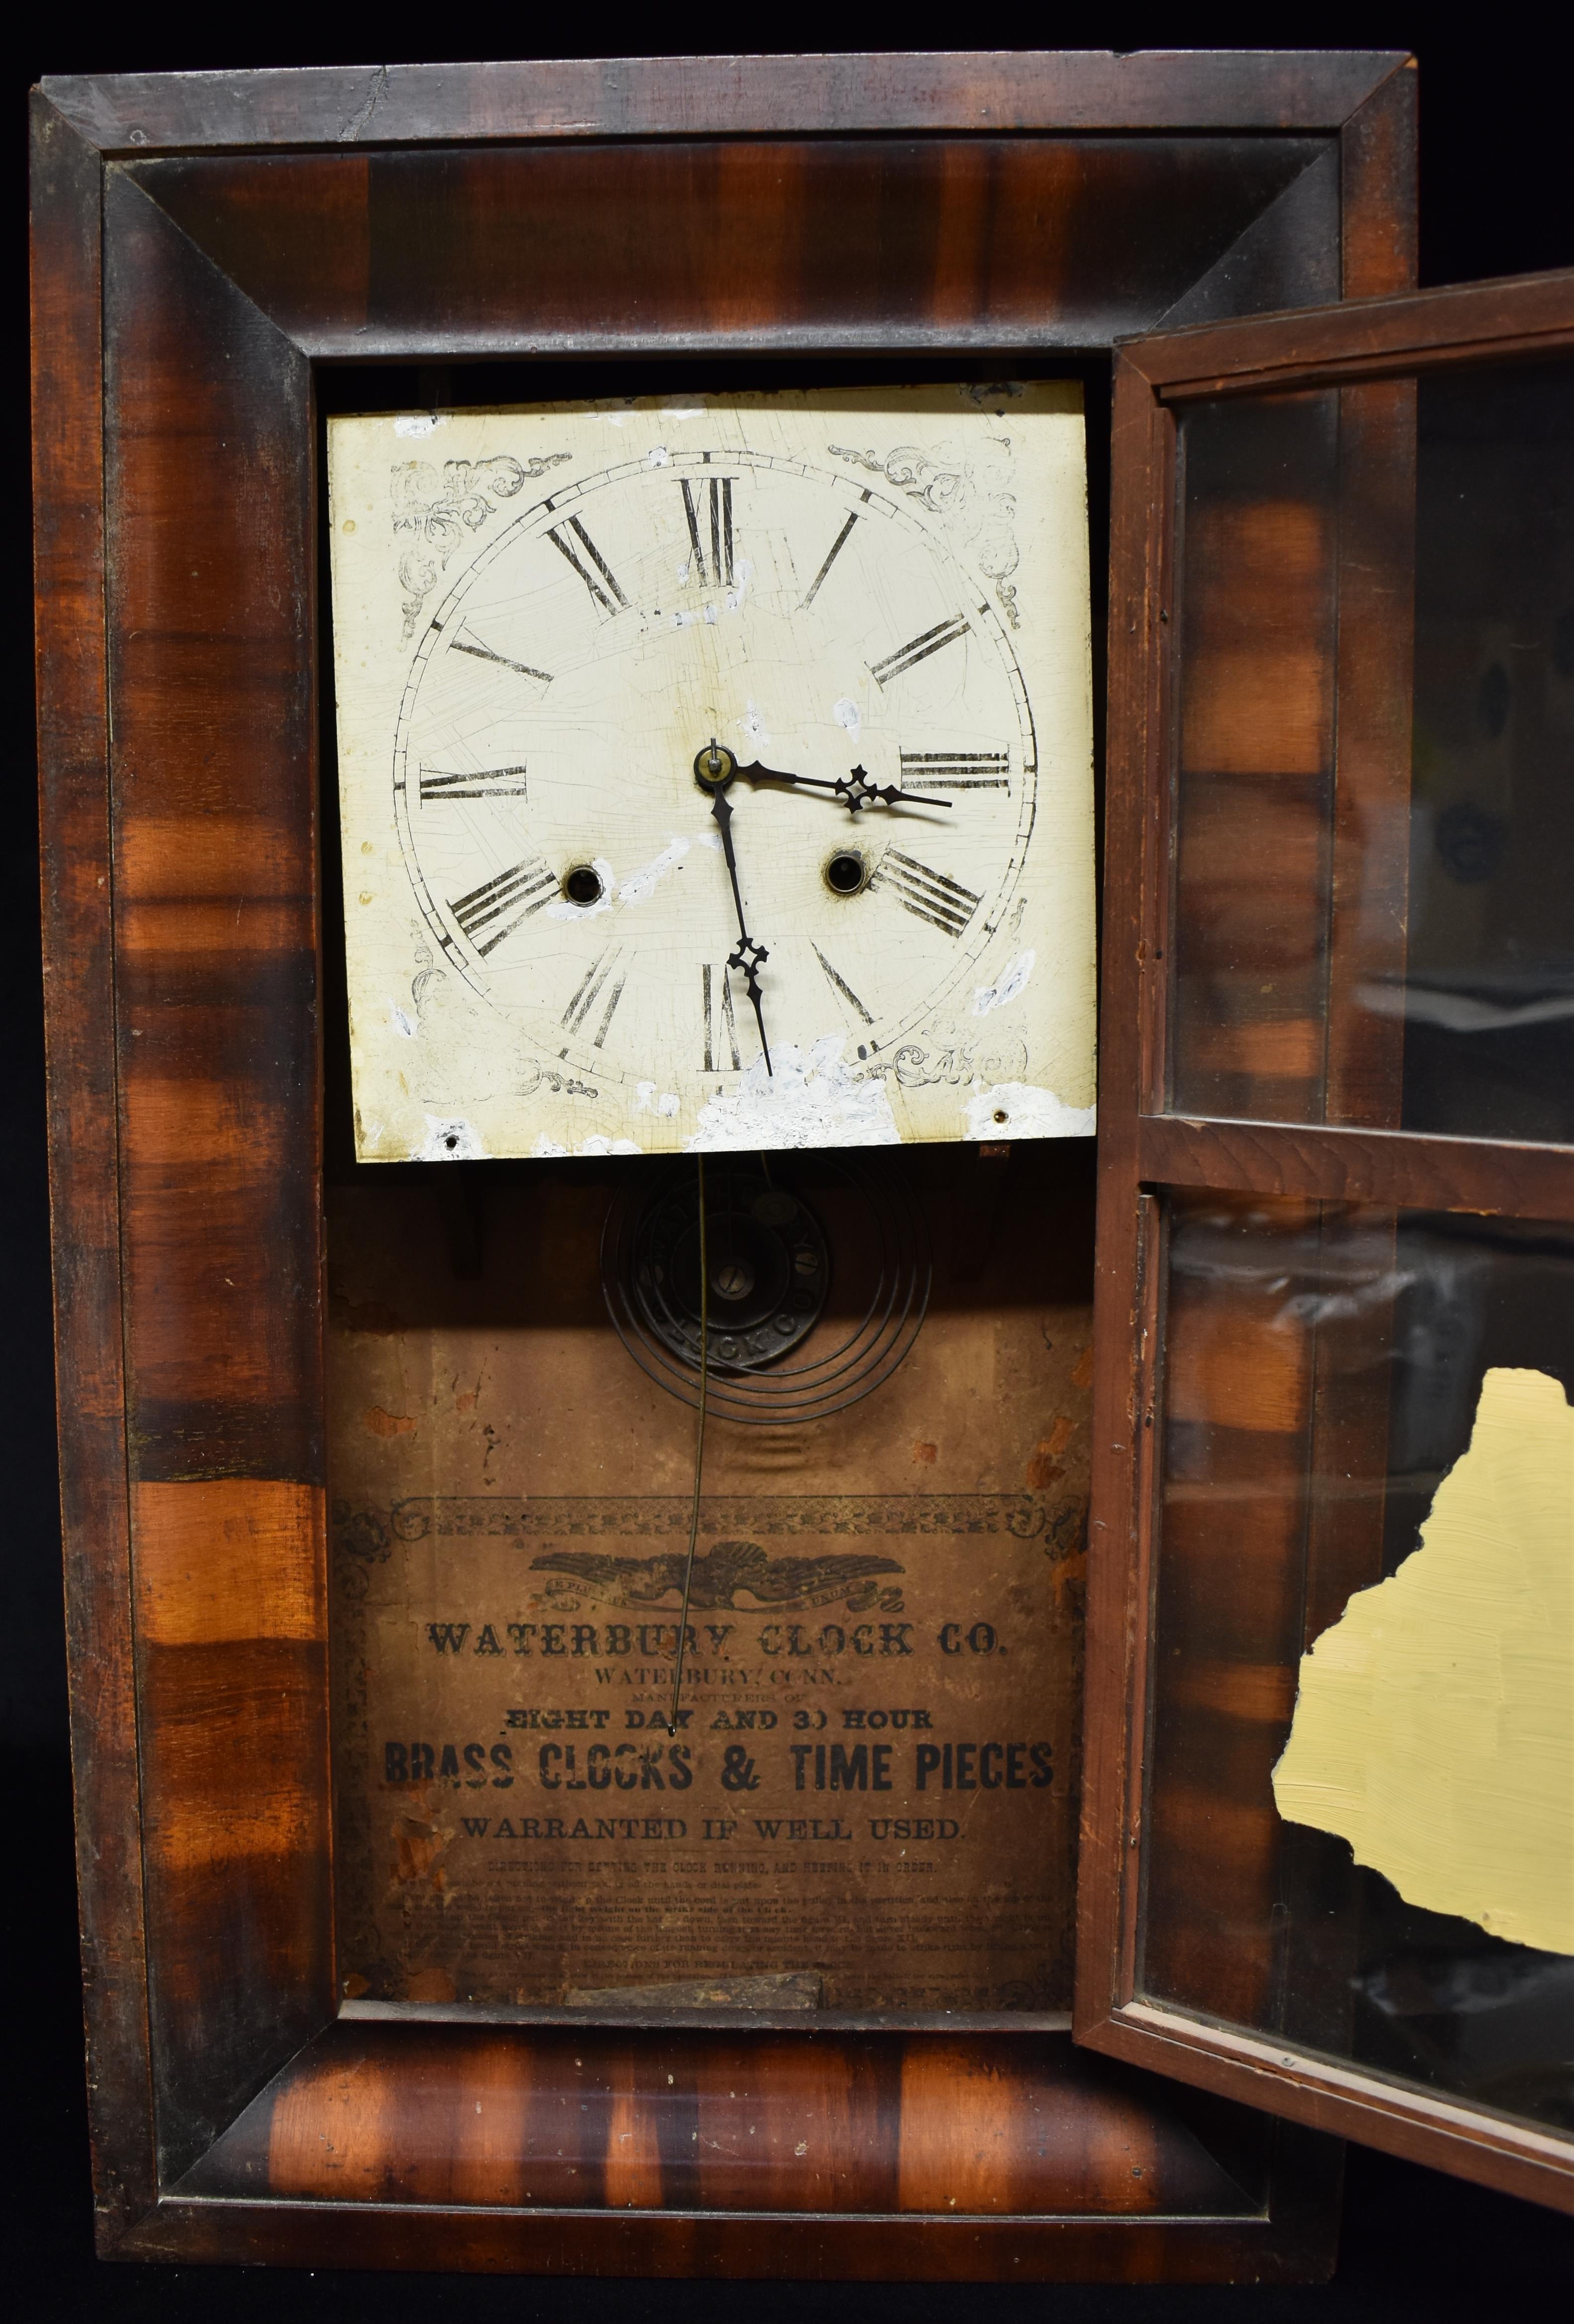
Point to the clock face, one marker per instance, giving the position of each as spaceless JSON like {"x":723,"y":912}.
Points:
{"x":712,"y":808}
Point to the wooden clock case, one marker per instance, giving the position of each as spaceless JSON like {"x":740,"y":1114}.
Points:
{"x":207,"y":249}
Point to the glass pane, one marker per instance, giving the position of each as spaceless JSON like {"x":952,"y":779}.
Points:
{"x":1257,"y":605}
{"x":1375,"y":756}
{"x":1357,"y":1398}
{"x":1489,"y":997}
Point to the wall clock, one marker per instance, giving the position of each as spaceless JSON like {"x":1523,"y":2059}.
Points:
{"x":370,"y":1474}
{"x":716,"y":774}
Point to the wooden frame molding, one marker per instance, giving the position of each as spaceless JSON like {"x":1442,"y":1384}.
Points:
{"x":1082,"y":90}
{"x":1357,"y":1166}
{"x":203,"y":245}
{"x":1390,"y":2114}
{"x":1383,"y":338}
{"x":1147,"y":1148}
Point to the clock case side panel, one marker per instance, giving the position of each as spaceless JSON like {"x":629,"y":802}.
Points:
{"x":73,"y":730}
{"x":209,"y":497}
{"x":213,"y":1632}
{"x":1371,"y":352}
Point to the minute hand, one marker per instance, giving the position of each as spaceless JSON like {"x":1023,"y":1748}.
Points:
{"x":855,"y":790}
{"x":746,"y":954}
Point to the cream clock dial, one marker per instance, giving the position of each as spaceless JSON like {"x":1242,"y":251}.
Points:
{"x":715,"y":775}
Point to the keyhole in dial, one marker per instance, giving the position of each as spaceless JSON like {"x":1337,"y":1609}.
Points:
{"x":733,"y":1279}
{"x":582,"y":885}
{"x":845,"y":873}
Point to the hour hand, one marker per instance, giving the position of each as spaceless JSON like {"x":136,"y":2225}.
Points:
{"x":855,"y":790}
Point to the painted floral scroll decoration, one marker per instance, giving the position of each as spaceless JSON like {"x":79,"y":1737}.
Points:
{"x":425,"y":966}
{"x":967,"y":495}
{"x":440,"y":506}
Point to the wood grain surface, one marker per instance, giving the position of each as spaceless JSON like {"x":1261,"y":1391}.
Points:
{"x":812,"y":247}
{"x":67,"y":446}
{"x":1087,"y":90}
{"x":598,"y":2151}
{"x":1132,"y":1030}
{"x":1345,"y":1164}
{"x":231,"y":229}
{"x":996,"y":2125}
{"x":212,"y":779}
{"x":1374,"y":337}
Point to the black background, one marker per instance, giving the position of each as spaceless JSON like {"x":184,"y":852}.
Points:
{"x":1495,"y":199}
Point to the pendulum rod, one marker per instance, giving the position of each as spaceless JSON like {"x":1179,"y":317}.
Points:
{"x":699,"y":1449}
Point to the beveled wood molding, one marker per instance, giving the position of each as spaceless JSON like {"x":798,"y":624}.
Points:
{"x":1362,"y":338}
{"x":1389,"y":1166}
{"x":731,"y":2120}
{"x":372,"y":2128}
{"x":984,"y":90}
{"x":808,"y":247}
{"x":1392,"y":2115}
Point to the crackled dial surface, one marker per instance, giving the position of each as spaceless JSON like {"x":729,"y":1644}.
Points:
{"x":567,"y":861}
{"x":879,"y":917}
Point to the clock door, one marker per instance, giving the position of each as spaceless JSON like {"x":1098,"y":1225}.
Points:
{"x":1328,"y":1862}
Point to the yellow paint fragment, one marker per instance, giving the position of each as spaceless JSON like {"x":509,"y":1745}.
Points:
{"x":1434,"y":1728}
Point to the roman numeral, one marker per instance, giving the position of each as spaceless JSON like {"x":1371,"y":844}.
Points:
{"x":510,"y":898}
{"x":918,"y":649}
{"x":839,"y":984}
{"x":598,"y":593}
{"x":596,"y":979}
{"x":955,"y":770}
{"x":930,"y":895}
{"x":488,"y":783}
{"x":720,"y":1024}
{"x":709,"y":515}
{"x":837,"y":547}
{"x":461,"y":644}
